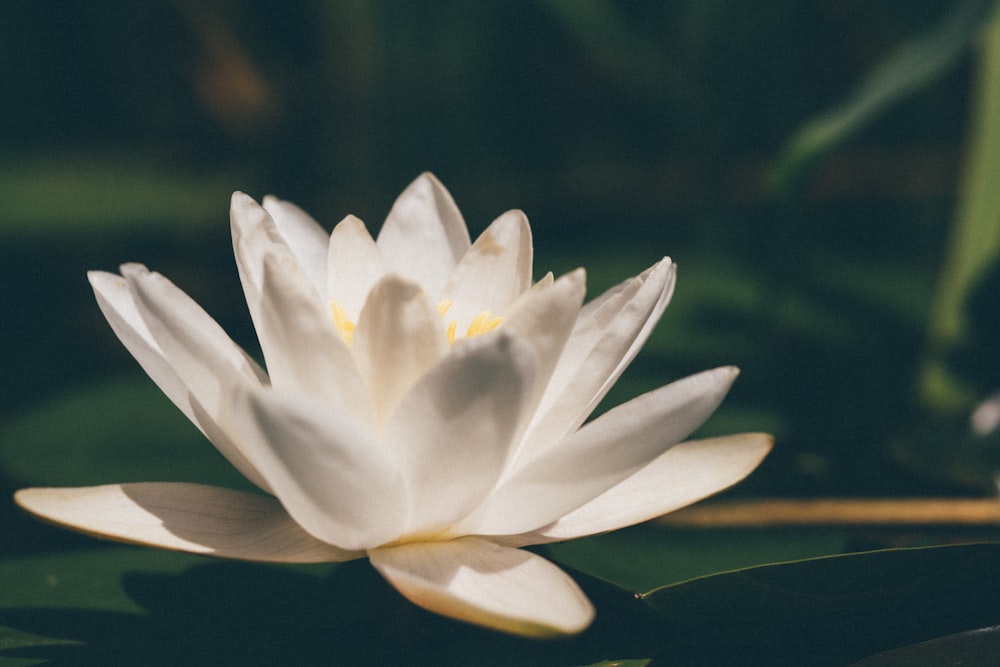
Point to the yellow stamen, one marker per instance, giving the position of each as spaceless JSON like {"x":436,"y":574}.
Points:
{"x":343,"y":323}
{"x":484,"y":322}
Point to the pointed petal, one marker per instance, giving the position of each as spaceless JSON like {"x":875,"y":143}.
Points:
{"x":185,"y":517}
{"x":207,"y":363}
{"x":354,"y":265}
{"x":116,"y":303}
{"x":600,"y":348}
{"x":479,"y":582}
{"x":682,"y":475}
{"x":454,"y":430}
{"x":305,"y":237}
{"x":327,"y":471}
{"x":601,"y":454}
{"x":424,"y":235}
{"x":494,"y":272}
{"x":545,"y":280}
{"x":399,"y":337}
{"x":303,"y":350}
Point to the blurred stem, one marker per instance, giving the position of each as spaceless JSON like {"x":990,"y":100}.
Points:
{"x":836,"y":512}
{"x":975,"y":237}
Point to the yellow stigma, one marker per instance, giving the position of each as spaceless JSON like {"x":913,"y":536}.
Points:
{"x":343,"y":323}
{"x":484,"y":322}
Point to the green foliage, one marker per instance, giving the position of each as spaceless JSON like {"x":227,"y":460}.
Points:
{"x":909,"y":69}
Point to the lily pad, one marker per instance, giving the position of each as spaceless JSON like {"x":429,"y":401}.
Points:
{"x":846,"y":606}
{"x":973,"y":648}
{"x":830,"y":585}
{"x":133,"y":606}
{"x":645,"y":557}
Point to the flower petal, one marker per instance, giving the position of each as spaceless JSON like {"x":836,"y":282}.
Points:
{"x":454,"y":430}
{"x":325,"y":468}
{"x":494,"y":272}
{"x":543,"y":318}
{"x":399,"y":337}
{"x":305,"y":237}
{"x":424,"y":235}
{"x":542,"y":488}
{"x":303,"y":350}
{"x":354,"y":265}
{"x":480,"y":582}
{"x":684,"y":474}
{"x":185,"y":517}
{"x":116,"y":303}
{"x":601,"y":346}
{"x":200,"y":354}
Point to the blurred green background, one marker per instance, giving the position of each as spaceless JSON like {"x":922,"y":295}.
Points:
{"x":822,"y":172}
{"x":626,"y":131}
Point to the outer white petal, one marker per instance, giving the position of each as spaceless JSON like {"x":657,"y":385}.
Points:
{"x":303,"y":350}
{"x":205,"y":360}
{"x":494,"y":272}
{"x":325,"y":468}
{"x":185,"y":517}
{"x":679,"y":477}
{"x":455,"y":429}
{"x":424,"y":235}
{"x":115,"y":300}
{"x":354,"y":264}
{"x":305,"y":237}
{"x":587,"y":463}
{"x":399,"y":337}
{"x":603,"y":343}
{"x":480,"y":582}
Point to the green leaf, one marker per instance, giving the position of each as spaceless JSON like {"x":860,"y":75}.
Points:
{"x":974,"y":243}
{"x":644,"y":557}
{"x":907,"y":70}
{"x":970,"y":648}
{"x":830,"y":585}
{"x":133,"y":606}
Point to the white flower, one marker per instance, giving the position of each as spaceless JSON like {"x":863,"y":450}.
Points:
{"x":423,"y":405}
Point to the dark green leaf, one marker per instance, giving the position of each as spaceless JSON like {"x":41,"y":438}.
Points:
{"x":830,"y":585}
{"x":643,"y":557}
{"x":132,"y":606}
{"x":974,"y":648}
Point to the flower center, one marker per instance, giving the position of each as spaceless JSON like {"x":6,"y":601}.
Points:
{"x":482,"y":323}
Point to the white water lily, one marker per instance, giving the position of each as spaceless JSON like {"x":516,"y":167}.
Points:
{"x":423,"y":406}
